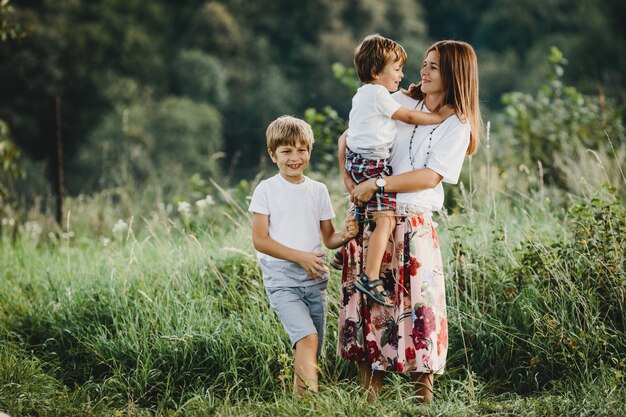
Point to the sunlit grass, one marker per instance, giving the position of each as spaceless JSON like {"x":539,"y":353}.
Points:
{"x":159,"y":309}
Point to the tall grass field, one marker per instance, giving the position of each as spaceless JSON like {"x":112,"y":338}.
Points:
{"x":148,"y":301}
{"x":140,"y":307}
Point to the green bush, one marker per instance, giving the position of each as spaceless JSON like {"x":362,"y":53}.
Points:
{"x":551,"y":309}
{"x":537,"y":127}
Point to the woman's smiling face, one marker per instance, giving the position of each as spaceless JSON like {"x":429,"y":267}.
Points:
{"x":431,"y":74}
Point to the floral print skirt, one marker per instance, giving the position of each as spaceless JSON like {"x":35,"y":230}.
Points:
{"x":412,"y":336}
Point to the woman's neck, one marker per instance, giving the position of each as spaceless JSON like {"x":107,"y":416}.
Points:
{"x":432,"y":101}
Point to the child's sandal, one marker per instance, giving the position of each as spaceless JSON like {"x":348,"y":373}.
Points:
{"x":368,"y":288}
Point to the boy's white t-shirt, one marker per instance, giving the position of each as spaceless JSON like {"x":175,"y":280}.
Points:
{"x":371,"y":130}
{"x":295,"y":212}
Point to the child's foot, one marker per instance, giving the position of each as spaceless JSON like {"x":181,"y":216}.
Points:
{"x":337,"y":260}
{"x":374,"y":290}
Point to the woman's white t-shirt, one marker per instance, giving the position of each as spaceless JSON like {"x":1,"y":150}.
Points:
{"x":445,"y":155}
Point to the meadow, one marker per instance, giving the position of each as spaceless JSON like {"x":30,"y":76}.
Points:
{"x":143,"y":307}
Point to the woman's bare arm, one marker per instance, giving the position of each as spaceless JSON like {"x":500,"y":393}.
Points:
{"x":341,"y":157}
{"x":417,"y":180}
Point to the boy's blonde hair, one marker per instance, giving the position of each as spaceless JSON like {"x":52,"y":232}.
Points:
{"x":289,"y":131}
{"x":373,"y":53}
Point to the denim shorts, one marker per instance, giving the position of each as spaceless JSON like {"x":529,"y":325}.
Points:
{"x":302,"y":311}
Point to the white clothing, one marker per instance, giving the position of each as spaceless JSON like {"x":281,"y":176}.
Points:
{"x":371,"y":130}
{"x":445,"y":155}
{"x":295,"y":212}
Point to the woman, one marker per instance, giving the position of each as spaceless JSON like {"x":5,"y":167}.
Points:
{"x":412,"y":336}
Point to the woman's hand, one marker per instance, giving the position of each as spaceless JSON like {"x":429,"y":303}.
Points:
{"x":363,"y":192}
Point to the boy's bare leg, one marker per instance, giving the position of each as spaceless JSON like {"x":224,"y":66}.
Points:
{"x":423,"y":386}
{"x":305,"y":366}
{"x":371,"y":380}
{"x":377,"y":243}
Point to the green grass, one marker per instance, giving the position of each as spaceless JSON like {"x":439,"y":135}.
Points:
{"x":169,"y":316}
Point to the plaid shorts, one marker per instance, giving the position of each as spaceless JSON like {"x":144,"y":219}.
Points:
{"x":362,"y":169}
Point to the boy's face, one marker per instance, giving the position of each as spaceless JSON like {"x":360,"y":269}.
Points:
{"x":291,"y":161}
{"x":390,"y":76}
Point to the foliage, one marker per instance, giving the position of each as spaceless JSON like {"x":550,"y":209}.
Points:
{"x":201,"y":77}
{"x":9,"y":160}
{"x":9,"y":28}
{"x":512,"y":36}
{"x":552,"y":308}
{"x":156,"y":141}
{"x":252,"y":64}
{"x":165,"y":314}
{"x":9,"y":153}
{"x":327,"y":127}
{"x":541,"y":126}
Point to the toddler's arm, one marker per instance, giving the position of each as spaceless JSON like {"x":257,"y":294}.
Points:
{"x":333,"y":239}
{"x":416,"y":117}
{"x":313,"y":263}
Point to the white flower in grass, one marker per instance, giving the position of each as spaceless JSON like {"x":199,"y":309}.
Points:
{"x":119,"y":227}
{"x":8,"y":221}
{"x":184,"y":207}
{"x":207,"y":201}
{"x":32,"y":229}
{"x":105,"y":241}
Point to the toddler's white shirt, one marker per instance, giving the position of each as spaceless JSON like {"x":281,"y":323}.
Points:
{"x":371,"y":130}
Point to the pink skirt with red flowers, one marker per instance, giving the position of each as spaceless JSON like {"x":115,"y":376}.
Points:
{"x":413,"y":335}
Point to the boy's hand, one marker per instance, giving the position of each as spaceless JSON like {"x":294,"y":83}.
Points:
{"x":314,"y":264}
{"x":349,"y":228}
{"x":409,"y":91}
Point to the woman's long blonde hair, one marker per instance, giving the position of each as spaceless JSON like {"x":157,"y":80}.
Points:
{"x":459,"y":75}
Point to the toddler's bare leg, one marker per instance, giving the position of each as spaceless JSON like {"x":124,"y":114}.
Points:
{"x":377,"y":244}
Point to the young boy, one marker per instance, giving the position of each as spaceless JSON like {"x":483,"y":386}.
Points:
{"x":289,"y":213}
{"x":371,"y":132}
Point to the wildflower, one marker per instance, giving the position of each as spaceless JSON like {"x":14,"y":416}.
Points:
{"x":165,"y":208}
{"x":8,"y":222}
{"x":207,"y":201}
{"x":67,"y":235}
{"x":32,"y":229}
{"x":105,"y":241}
{"x":119,"y":227}
{"x":184,"y":207}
